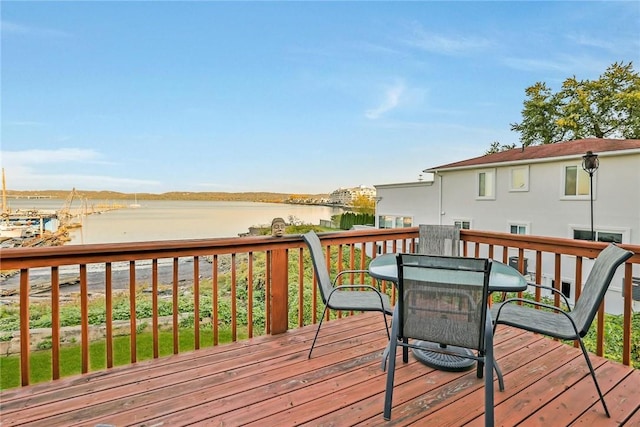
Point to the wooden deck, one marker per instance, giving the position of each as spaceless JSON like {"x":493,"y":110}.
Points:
{"x":268,"y":381}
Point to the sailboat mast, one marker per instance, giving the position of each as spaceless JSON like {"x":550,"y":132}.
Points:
{"x":5,"y":207}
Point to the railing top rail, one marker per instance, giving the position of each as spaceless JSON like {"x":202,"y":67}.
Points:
{"x":13,"y":258}
{"x":559,"y":245}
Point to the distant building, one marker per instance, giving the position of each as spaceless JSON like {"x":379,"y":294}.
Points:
{"x":346,"y":196}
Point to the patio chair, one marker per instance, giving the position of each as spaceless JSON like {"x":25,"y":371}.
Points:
{"x":439,"y":239}
{"x":351,"y":297}
{"x":444,"y":299}
{"x":566,"y":324}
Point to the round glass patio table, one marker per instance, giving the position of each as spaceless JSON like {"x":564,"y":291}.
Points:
{"x":503,"y":278}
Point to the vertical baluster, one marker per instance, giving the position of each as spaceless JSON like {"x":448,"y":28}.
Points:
{"x":234,"y":302}
{"x":300,"y":288}
{"x":155,"y":309}
{"x":214,"y":299}
{"x":628,"y":308}
{"x":55,"y":323}
{"x":176,"y":338}
{"x":24,"y":326}
{"x":132,"y":311}
{"x":267,"y":294}
{"x":108,"y":313}
{"x":538,"y":292}
{"x":196,"y":301}
{"x":557,"y":280}
{"x":84,"y":318}
{"x":250,"y":295}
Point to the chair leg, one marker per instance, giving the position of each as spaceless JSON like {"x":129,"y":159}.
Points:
{"x":386,"y":325}
{"x":394,"y":333}
{"x":488,"y":375}
{"x":496,"y":368}
{"x":488,"y":391}
{"x":317,"y":331}
{"x":388,"y":394}
{"x":593,"y":375}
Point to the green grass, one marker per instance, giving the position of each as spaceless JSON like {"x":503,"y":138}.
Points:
{"x":40,"y":361}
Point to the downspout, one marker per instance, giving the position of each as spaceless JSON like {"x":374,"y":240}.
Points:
{"x":440,"y":213}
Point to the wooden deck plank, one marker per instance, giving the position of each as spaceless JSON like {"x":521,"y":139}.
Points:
{"x":464,"y":409}
{"x":268,"y":380}
{"x":162,"y":382}
{"x":584,"y":397}
{"x":220,"y":399}
{"x":367,"y":407}
{"x":621,"y":401}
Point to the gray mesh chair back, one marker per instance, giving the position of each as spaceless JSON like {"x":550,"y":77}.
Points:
{"x":596,"y":286}
{"x":319,"y":265}
{"x":439,"y":239}
{"x":351,"y":297}
{"x":570,"y":324}
{"x":443,"y":299}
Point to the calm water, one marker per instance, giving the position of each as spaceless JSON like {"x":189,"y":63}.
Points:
{"x":169,"y":220}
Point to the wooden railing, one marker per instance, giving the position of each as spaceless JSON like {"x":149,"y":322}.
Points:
{"x":278,"y":268}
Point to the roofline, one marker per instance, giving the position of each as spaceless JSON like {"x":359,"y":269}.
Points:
{"x":424,"y":183}
{"x":531,"y":161}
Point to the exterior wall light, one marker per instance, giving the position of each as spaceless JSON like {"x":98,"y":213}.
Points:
{"x":590,"y":163}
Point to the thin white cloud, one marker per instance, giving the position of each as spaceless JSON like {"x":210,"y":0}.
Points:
{"x":447,"y":45}
{"x":12,"y":28}
{"x":23,"y":123}
{"x":566,"y":64}
{"x":61,"y":155}
{"x":392,"y":98}
{"x":18,"y":180}
{"x":28,"y":170}
{"x":584,"y":40}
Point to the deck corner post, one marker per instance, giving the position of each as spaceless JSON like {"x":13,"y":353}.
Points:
{"x":279,"y":291}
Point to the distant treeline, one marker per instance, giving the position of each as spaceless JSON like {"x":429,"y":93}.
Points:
{"x":175,"y":195}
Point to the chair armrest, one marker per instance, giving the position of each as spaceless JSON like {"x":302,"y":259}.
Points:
{"x":533,"y":303}
{"x":554,"y":291}
{"x":373,"y":288}
{"x":347,"y":272}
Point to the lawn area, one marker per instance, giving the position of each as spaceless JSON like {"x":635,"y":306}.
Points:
{"x":40,"y":361}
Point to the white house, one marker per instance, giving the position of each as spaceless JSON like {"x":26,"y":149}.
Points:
{"x":540,"y":190}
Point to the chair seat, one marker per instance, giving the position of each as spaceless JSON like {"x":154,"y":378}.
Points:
{"x":536,"y":320}
{"x":359,"y":300}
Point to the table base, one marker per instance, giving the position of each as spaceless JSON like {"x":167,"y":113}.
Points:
{"x":445,"y":362}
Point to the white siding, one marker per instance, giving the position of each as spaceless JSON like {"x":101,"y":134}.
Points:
{"x":542,"y":208}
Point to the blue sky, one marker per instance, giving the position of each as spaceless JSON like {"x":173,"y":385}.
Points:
{"x":299,"y":97}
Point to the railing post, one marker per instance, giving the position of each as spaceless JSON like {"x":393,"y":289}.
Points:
{"x":279,"y":291}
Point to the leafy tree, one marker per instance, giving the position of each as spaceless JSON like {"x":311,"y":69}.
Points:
{"x":497,"y":147}
{"x":608,"y":107}
{"x":364,"y":204}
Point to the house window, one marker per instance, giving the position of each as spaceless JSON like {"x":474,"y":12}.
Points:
{"x":519,"y":229}
{"x":519,"y":179}
{"x":486,"y":184}
{"x":392,"y":221}
{"x":576,"y":182}
{"x":463,"y":224}
{"x":600,"y":235}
